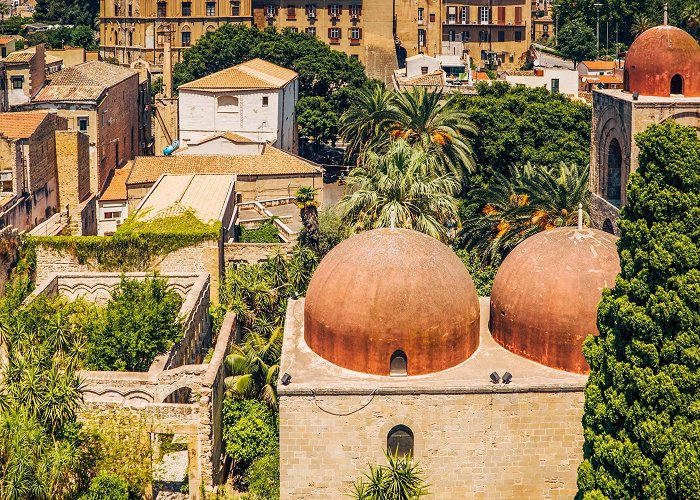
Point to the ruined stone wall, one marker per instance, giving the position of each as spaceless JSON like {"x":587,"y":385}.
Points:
{"x":480,"y":446}
{"x":252,"y":253}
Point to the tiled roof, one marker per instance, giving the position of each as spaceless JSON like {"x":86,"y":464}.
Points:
{"x":116,"y":184}
{"x":20,"y":124}
{"x":610,"y":79}
{"x":6,"y":39}
{"x":49,"y":59}
{"x":272,"y":161}
{"x":231,"y":136}
{"x":206,"y":195}
{"x":434,"y":79}
{"x":599,"y":65}
{"x":19,"y":57}
{"x":84,"y":82}
{"x":254,"y":74}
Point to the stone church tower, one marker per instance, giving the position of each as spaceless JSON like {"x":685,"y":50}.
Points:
{"x":661,"y":82}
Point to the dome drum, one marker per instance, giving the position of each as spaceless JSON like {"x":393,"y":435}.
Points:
{"x":390,"y":291}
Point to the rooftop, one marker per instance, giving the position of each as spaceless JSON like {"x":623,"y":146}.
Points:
{"x":434,"y":79}
{"x":231,"y":136}
{"x":115,"y":190}
{"x":207,"y":195}
{"x":679,"y":100}
{"x":19,"y":57}
{"x":272,"y":161}
{"x":599,"y":65}
{"x":253,"y":74}
{"x":6,"y":39}
{"x":84,"y":82}
{"x":310,"y":372}
{"x":21,"y":124}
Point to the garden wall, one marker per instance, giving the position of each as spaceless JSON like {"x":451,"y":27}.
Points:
{"x":253,"y":253}
{"x":9,"y":246}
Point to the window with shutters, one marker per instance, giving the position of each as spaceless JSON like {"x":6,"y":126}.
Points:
{"x":501,"y":15}
{"x":270,"y":11}
{"x":355,"y":35}
{"x":421,"y":38}
{"x":518,"y":15}
{"x":464,"y":15}
{"x":355,"y":11}
{"x":311,"y":11}
{"x":334,"y":10}
{"x":484,"y":15}
{"x":236,"y":8}
{"x":334,"y":34}
{"x":451,"y":15}
{"x":311,"y":31}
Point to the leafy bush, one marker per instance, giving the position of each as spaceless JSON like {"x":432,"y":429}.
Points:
{"x":250,"y":431}
{"x":642,"y":408}
{"x":331,"y":231}
{"x":482,"y":274}
{"x":106,"y":486}
{"x":265,"y":233}
{"x":263,"y":478}
{"x":139,"y":322}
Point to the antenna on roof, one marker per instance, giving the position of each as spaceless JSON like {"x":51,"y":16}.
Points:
{"x":392,"y":217}
{"x":580,"y":216}
{"x":665,"y":13}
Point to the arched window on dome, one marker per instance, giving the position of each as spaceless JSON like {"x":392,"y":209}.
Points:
{"x":398,"y":366}
{"x":677,"y":85}
{"x":626,"y":81}
{"x":613,"y":185}
{"x":399,"y":441}
{"x":608,"y":227}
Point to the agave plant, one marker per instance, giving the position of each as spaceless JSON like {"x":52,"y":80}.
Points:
{"x":400,"y":479}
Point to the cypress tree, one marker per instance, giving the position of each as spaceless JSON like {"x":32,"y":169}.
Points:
{"x":642,"y":411}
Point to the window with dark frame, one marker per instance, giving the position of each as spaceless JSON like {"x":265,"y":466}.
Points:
{"x":399,"y":441}
{"x":265,"y":101}
{"x":186,"y":38}
{"x":236,"y":8}
{"x":186,"y":9}
{"x":211,"y":9}
{"x":83,"y":123}
{"x":6,"y":181}
{"x":162,"y":9}
{"x":17,"y":82}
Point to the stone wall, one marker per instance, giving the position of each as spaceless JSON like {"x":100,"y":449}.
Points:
{"x":604,"y":215}
{"x":9,"y":247}
{"x":205,"y":257}
{"x":252,"y":253}
{"x":496,"y":445}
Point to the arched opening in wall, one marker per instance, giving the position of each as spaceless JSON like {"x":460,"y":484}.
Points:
{"x":227,"y":104}
{"x":613,"y":184}
{"x":677,"y":84}
{"x":398,"y":365}
{"x":399,"y":441}
{"x":626,"y":81}
{"x":608,"y":227}
{"x":182,"y":395}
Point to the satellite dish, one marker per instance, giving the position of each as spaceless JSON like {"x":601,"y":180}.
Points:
{"x":536,"y":62}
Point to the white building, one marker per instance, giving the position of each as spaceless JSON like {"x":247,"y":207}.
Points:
{"x":421,"y":64}
{"x":256,"y":100}
{"x":113,"y":205}
{"x":556,"y":80}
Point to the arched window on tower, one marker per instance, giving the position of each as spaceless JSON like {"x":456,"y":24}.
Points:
{"x":677,"y":85}
{"x":399,"y":364}
{"x":613,"y":185}
{"x":399,"y":441}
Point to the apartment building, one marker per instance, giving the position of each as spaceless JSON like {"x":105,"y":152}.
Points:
{"x":542,"y":20}
{"x":136,"y":29}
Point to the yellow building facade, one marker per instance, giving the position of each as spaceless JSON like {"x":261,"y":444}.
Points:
{"x":381,"y":33}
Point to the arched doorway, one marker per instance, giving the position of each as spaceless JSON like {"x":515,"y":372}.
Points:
{"x":677,"y":84}
{"x":613,"y":181}
{"x":398,"y":365}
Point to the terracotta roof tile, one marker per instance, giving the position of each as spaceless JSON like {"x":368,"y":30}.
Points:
{"x":84,"y":82}
{"x":434,"y":79}
{"x":19,"y":57}
{"x":20,"y":124}
{"x":231,"y":136}
{"x":254,"y":74}
{"x":6,"y":39}
{"x":599,"y":65}
{"x":115,"y":190}
{"x":147,"y":169}
{"x":610,"y":79}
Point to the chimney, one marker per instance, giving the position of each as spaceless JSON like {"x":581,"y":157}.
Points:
{"x":167,"y":67}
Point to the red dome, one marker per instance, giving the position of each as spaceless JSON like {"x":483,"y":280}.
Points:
{"x":545,"y":296}
{"x":661,"y":58}
{"x":390,"y":290}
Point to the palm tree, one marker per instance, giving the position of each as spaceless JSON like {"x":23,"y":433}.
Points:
{"x":429,"y":120}
{"x":640,"y":24}
{"x":401,"y":182}
{"x":400,"y":479}
{"x":254,"y":367}
{"x":513,"y":208}
{"x":305,"y":199}
{"x":364,"y":126}
{"x":4,"y":10}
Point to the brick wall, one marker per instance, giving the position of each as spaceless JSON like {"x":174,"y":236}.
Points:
{"x":477,"y":446}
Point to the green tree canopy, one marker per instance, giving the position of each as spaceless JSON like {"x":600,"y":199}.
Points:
{"x":317,"y":119}
{"x":75,"y":12}
{"x":642,"y":408}
{"x":577,"y":42}
{"x":519,"y":125}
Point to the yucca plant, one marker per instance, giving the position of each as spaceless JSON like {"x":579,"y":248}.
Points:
{"x":400,"y":479}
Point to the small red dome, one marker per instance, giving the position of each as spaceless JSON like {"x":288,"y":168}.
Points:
{"x":662,"y":61}
{"x":387,"y":291}
{"x":545,"y":296}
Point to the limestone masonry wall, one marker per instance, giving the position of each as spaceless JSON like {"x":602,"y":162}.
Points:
{"x":477,"y":446}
